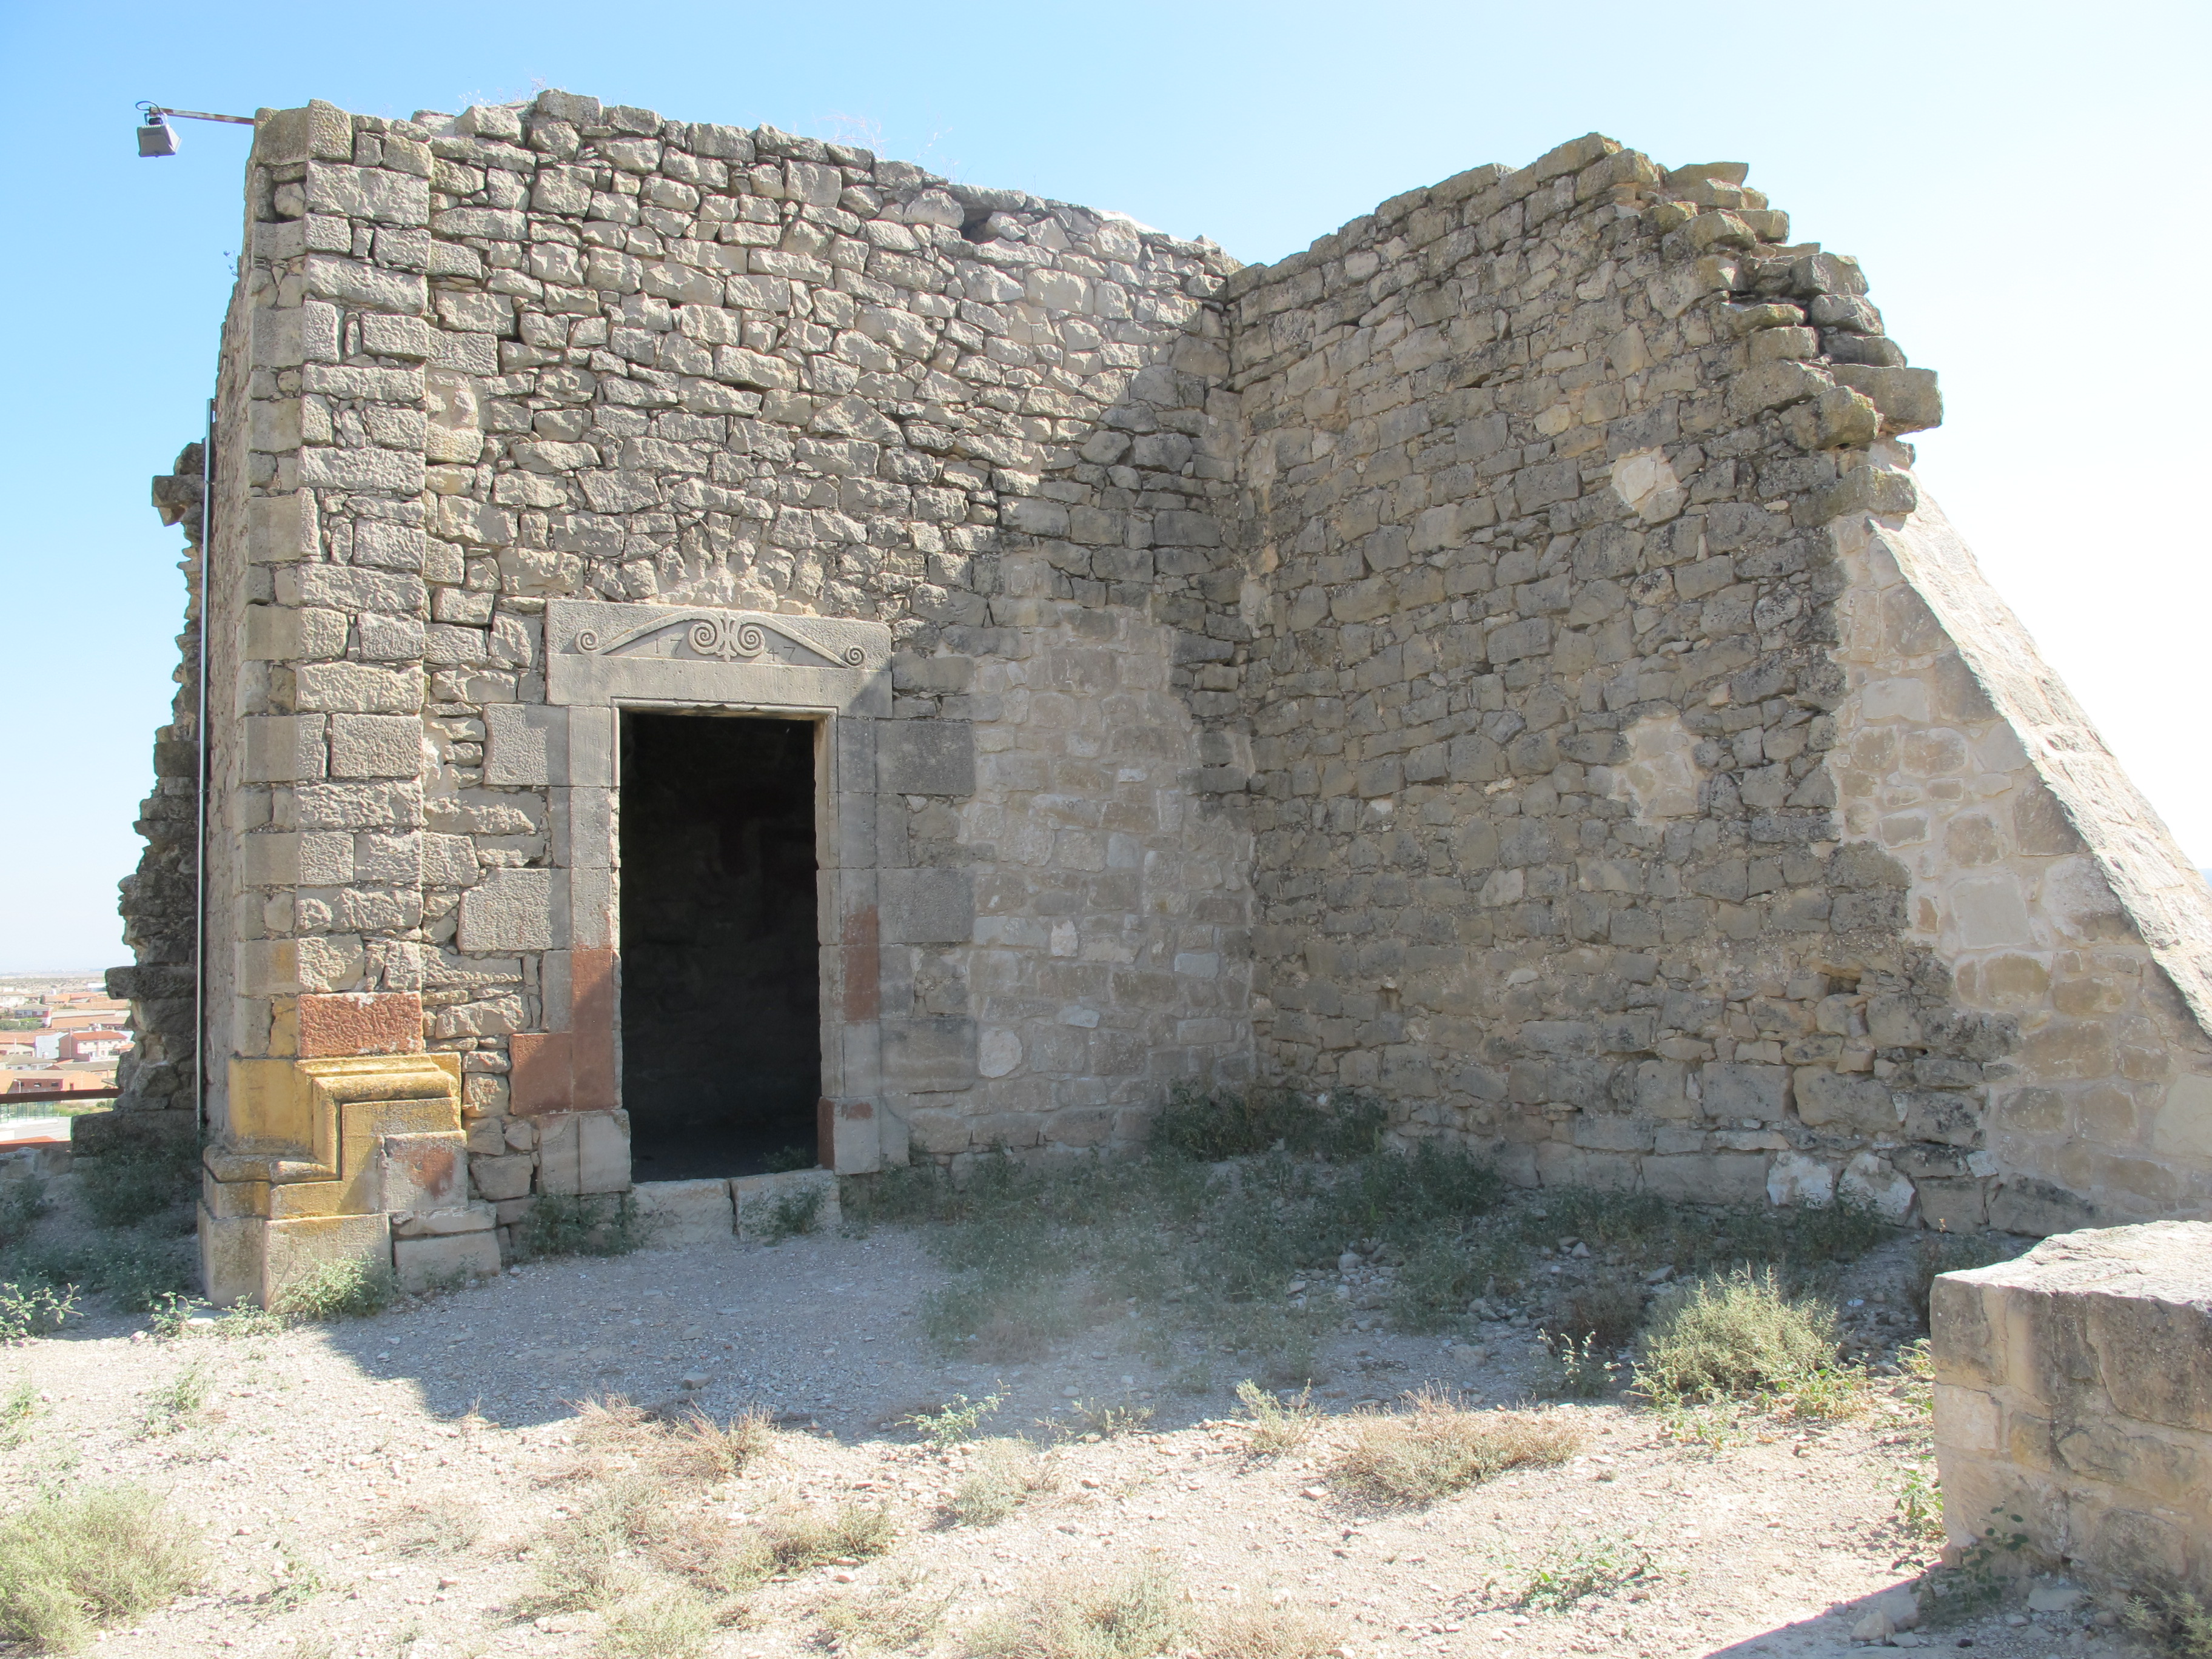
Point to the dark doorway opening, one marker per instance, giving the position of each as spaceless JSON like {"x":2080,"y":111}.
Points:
{"x":720,"y":992}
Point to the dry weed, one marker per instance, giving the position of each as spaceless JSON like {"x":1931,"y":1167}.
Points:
{"x":436,"y":1526}
{"x":1279,"y":1425}
{"x":1272,"y":1633}
{"x":792,"y":1540}
{"x":1002,"y":1476}
{"x":613,"y":1435}
{"x":1133,"y":1616}
{"x":101,"y":1555}
{"x":586,"y":1560}
{"x":897,"y":1616}
{"x":658,"y":1621}
{"x":1437,"y":1447}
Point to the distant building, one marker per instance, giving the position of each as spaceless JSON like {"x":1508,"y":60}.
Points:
{"x":85,"y":1019}
{"x":55,"y":1083}
{"x":101,"y":1043}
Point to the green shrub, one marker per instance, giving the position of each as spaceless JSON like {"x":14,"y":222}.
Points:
{"x":2173,"y":1620}
{"x":558,"y":1224}
{"x":1582,"y":1564}
{"x":75,"y":1562}
{"x":1734,"y":1333}
{"x":22,"y":1203}
{"x":30,"y":1309}
{"x":793,"y":1212}
{"x":140,"y":1176}
{"x":955,"y":1423}
{"x":337,"y":1290}
{"x":1224,"y":1123}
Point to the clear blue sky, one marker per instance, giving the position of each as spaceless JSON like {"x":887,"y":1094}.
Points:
{"x":2025,"y":183}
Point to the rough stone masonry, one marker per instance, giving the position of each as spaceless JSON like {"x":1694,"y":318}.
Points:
{"x":1497,"y":660}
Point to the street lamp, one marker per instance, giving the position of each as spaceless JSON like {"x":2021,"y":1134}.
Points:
{"x":157,"y":138}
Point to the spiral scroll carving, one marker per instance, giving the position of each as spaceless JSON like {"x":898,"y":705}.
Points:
{"x":718,"y":636}
{"x":726,"y":638}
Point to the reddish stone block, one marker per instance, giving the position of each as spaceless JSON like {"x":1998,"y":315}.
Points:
{"x":591,"y":1020}
{"x":860,"y":949}
{"x":361,"y":1023}
{"x":543,"y":1078}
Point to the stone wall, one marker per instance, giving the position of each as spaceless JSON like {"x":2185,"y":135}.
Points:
{"x":2071,"y":1392}
{"x":2046,"y":887}
{"x":1474,"y":660}
{"x":157,"y":1074}
{"x":1580,"y":771}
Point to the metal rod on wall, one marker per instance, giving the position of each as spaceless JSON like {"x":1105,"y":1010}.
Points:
{"x":200,"y":839}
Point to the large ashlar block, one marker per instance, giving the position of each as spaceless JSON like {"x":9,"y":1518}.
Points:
{"x":2074,"y":1388}
{"x":770,"y":1204}
{"x":679,"y":1214}
{"x":584,"y":1153}
{"x":429,"y":1251}
{"x":295,"y":1250}
{"x":317,"y":1158}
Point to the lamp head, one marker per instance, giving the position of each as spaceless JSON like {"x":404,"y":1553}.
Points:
{"x":155,"y":136}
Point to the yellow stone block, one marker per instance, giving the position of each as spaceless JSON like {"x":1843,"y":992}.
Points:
{"x":293,"y":1249}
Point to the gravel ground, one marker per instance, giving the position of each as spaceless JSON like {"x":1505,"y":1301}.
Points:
{"x":367,"y":1488}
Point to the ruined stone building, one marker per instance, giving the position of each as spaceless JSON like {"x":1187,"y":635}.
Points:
{"x":721,"y":643}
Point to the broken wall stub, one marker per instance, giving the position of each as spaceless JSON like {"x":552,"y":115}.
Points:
{"x":1634,"y":788}
{"x":2071,"y":1392}
{"x":1471,"y":660}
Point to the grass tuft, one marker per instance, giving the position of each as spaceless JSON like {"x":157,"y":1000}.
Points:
{"x":1002,"y":1476}
{"x":74,"y":1563}
{"x":1131,"y":1616}
{"x":897,"y":1616}
{"x":173,"y":1407}
{"x":436,"y":1526}
{"x":613,"y":1434}
{"x":1732,"y":1334}
{"x":658,"y":1621}
{"x":794,"y":1539}
{"x":1437,"y":1447}
{"x":1279,"y":1425}
{"x":1250,"y":1632}
{"x":1577,"y":1566}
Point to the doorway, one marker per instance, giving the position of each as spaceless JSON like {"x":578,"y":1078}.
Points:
{"x":721,"y":987}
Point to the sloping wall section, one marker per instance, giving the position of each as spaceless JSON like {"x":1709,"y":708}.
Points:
{"x":1497,"y":660}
